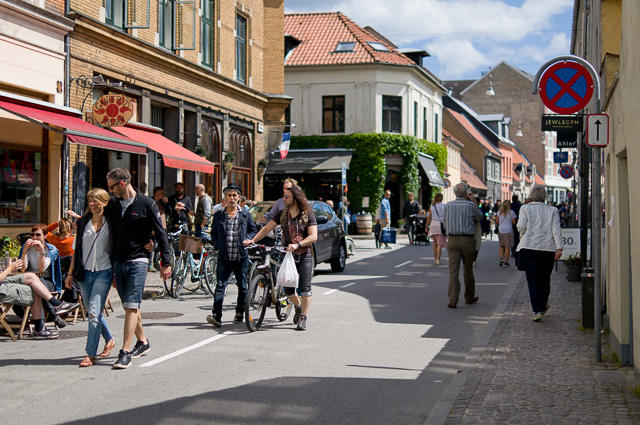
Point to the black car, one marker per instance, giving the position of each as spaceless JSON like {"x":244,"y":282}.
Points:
{"x":330,"y":246}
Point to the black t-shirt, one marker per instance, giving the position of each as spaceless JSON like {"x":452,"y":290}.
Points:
{"x":295,"y":230}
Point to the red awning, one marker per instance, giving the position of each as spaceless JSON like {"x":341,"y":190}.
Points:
{"x":77,"y":130}
{"x":173,"y":155}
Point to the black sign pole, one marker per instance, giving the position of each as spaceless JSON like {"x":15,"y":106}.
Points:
{"x":584,"y":197}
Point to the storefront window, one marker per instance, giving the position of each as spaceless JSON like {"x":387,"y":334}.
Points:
{"x":20,"y":194}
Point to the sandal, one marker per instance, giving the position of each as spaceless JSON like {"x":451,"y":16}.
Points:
{"x":107,"y":348}
{"x":88,"y":361}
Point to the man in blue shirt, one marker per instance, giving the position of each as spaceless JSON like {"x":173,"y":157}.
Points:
{"x":385,"y":213}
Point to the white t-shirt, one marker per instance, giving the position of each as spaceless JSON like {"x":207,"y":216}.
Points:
{"x":505,"y":222}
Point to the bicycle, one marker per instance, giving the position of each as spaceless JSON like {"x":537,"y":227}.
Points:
{"x":263,"y":289}
{"x":202,"y":272}
{"x":351,"y":246}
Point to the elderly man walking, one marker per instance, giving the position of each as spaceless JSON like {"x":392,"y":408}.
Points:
{"x":460,"y":217}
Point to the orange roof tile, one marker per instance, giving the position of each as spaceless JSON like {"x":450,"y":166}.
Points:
{"x":540,"y":180}
{"x":320,"y":33}
{"x":468,"y":174}
{"x":515,"y":177}
{"x":474,"y":132}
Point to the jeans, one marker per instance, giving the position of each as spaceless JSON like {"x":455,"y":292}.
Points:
{"x":95,"y":289}
{"x":130,"y":280}
{"x":225,"y":268}
{"x":538,"y":266}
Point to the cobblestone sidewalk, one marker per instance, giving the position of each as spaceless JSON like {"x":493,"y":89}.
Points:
{"x":545,"y":373}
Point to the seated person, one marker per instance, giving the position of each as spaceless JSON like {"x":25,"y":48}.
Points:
{"x":26,"y":289}
{"x":43,"y":259}
{"x":63,"y":240}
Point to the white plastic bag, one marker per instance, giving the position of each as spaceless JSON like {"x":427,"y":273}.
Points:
{"x":288,"y":274}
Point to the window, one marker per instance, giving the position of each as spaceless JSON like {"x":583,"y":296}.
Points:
{"x":240,"y":145}
{"x":345,"y":46}
{"x":435,"y":127}
{"x":327,"y":211}
{"x":392,"y":114}
{"x":206,"y":36}
{"x":415,"y":119}
{"x":165,"y":23}
{"x":241,"y":49}
{"x":333,"y":114}
{"x":375,"y":45}
{"x":424,"y":123}
{"x":115,"y":12}
{"x":20,"y":196}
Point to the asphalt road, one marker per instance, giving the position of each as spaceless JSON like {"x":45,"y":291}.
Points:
{"x":381,"y":347}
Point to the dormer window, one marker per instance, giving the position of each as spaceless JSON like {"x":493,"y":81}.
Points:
{"x":376,"y":45}
{"x":345,"y":46}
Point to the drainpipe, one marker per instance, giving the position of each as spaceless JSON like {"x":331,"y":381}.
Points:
{"x":67,"y":101}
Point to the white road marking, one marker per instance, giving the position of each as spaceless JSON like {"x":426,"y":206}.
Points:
{"x":184,"y":350}
{"x":404,"y":264}
{"x":331,"y":291}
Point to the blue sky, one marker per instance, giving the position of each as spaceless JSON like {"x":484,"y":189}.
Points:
{"x":464,"y":37}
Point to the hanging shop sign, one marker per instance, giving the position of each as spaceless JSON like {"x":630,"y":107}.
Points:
{"x":112,"y":110}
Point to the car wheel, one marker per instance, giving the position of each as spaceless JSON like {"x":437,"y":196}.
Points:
{"x":338,"y":264}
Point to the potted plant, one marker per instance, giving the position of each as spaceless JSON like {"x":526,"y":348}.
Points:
{"x":228,"y":162}
{"x":574,"y":267}
{"x":10,"y":246}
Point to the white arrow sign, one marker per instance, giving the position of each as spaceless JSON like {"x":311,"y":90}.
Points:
{"x":598,"y":130}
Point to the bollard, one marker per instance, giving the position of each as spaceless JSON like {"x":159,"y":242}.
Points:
{"x":588,"y":283}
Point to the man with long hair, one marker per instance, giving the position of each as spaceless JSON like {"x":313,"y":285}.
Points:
{"x":299,"y":232}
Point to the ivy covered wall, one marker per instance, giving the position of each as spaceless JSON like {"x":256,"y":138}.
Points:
{"x":368,"y":161}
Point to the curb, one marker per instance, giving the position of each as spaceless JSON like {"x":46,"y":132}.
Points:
{"x":443,"y":407}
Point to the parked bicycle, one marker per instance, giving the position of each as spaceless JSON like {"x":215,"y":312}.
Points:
{"x":174,"y":252}
{"x":201,"y":272}
{"x":263,"y":289}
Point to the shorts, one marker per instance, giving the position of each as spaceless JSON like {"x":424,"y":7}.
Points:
{"x":506,"y":239}
{"x":130,"y":280}
{"x":305,"y":270}
{"x":14,"y":291}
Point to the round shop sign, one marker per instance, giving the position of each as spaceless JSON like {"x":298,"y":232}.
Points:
{"x":566,"y":87}
{"x":446,"y":182}
{"x":112,"y":110}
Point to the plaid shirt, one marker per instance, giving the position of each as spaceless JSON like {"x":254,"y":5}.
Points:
{"x":232,"y":236}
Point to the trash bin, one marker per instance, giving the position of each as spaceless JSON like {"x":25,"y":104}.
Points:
{"x":588,"y":284}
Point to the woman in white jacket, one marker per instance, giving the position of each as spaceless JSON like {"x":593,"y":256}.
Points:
{"x":540,"y":245}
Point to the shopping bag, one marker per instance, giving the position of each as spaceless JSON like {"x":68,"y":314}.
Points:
{"x":288,"y":274}
{"x":388,"y":235}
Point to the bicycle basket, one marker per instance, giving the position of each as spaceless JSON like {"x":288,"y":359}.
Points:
{"x":190,"y":244}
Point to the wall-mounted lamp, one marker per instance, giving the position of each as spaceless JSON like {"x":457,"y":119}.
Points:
{"x":261,"y":169}
{"x":490,"y":91}
{"x":519,"y":132}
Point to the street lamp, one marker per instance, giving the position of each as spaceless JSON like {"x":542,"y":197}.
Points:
{"x":519,"y":132}
{"x":490,"y":91}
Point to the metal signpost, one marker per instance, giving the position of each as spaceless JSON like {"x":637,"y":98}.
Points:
{"x":566,"y":85}
{"x":344,"y":196}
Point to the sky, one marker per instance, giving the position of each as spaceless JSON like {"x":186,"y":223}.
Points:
{"x":465,"y":38}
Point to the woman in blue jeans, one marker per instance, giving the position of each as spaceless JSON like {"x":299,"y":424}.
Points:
{"x":92,"y":249}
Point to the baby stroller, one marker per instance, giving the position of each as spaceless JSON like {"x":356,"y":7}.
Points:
{"x":419,"y":232}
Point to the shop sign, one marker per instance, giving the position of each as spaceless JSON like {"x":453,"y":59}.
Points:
{"x":112,"y":110}
{"x":562,"y":123}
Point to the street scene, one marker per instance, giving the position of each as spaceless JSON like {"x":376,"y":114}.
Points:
{"x":267,"y":211}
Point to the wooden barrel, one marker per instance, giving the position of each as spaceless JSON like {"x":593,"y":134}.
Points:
{"x":364,"y":224}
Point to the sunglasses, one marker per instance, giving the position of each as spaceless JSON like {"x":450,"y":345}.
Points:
{"x":113,"y":185}
{"x":36,"y":234}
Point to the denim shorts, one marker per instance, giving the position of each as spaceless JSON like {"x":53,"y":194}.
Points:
{"x":305,"y":270}
{"x":130,"y":280}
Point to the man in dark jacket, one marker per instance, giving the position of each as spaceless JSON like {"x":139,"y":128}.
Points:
{"x":133,"y":216}
{"x":230,"y":227}
{"x":180,"y":205}
{"x":410,"y":210}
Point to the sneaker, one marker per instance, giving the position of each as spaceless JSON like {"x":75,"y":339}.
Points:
{"x":387,"y":247}
{"x":215,"y":322}
{"x":297,"y":314}
{"x":302,"y":323}
{"x":124,"y":360}
{"x":506,"y":264}
{"x":60,"y":322}
{"x":501,"y":263}
{"x":140,"y":349}
{"x":537,"y":317}
{"x":65,"y":307}
{"x":44,"y":334}
{"x":238,"y":318}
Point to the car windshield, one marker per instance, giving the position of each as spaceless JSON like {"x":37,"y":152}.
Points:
{"x":260,"y":209}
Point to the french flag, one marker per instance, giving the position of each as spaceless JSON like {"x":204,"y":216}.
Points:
{"x":284,"y":146}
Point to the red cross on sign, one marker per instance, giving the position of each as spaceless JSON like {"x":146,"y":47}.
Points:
{"x":566,"y":87}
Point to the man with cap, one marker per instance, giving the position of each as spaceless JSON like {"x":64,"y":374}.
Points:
{"x":230,"y":227}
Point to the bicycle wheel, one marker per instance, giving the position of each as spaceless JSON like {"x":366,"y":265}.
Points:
{"x":172,"y":261}
{"x":210,"y":267}
{"x":283,"y":305}
{"x":178,"y":278}
{"x":256,"y":305}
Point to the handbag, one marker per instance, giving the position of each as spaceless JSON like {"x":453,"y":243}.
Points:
{"x":444,"y":232}
{"x":496,"y":231}
{"x":288,"y":274}
{"x":441,"y":220}
{"x":78,"y":269}
{"x":388,"y":235}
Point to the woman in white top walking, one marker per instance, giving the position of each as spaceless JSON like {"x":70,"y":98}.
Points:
{"x":434,"y":223}
{"x":92,"y":253}
{"x":505,"y":220}
{"x":540,"y":245}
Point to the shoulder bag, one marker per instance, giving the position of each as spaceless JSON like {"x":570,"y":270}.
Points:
{"x":78,"y":269}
